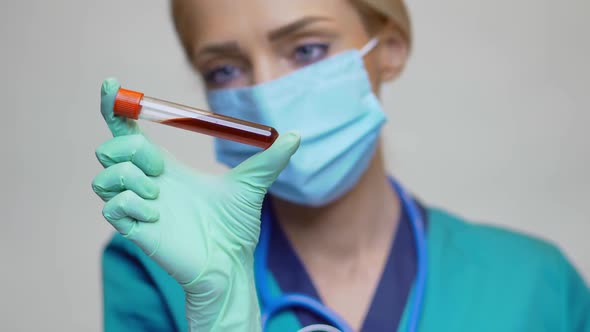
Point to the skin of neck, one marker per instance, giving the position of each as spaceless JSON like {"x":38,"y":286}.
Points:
{"x":361,"y":221}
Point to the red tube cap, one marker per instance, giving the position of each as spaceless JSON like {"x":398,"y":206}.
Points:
{"x":127,"y":103}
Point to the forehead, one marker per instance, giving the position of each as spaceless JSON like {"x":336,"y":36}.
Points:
{"x":228,"y":19}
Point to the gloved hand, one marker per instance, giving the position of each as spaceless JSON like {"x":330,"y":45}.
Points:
{"x":201,"y":229}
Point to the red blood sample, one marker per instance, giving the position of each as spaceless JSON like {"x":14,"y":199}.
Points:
{"x":235,"y":130}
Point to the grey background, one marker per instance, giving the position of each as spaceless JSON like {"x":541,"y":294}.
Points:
{"x":490,"y":120}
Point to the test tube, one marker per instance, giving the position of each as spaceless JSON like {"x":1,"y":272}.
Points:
{"x":135,"y":105}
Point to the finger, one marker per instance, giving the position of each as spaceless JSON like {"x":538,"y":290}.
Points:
{"x":134,"y":148}
{"x":262,"y":169}
{"x":118,"y":125}
{"x":121,"y":177}
{"x":126,"y":209}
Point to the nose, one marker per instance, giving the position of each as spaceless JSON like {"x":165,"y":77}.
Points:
{"x":266,"y":68}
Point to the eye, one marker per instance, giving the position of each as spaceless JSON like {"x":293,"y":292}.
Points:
{"x":222,"y":75}
{"x":310,"y":53}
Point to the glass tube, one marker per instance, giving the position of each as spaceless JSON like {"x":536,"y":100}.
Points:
{"x":135,"y":105}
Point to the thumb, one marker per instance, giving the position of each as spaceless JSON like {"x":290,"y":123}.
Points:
{"x":262,"y":169}
{"x":118,"y":125}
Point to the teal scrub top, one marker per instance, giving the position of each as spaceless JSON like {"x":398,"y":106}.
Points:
{"x":480,"y":278}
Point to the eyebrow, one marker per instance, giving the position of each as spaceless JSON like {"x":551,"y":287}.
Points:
{"x":294,"y":27}
{"x":228,"y":47}
{"x":233,"y":47}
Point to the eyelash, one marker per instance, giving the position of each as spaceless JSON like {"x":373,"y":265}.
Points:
{"x":302,"y":55}
{"x":221,"y":75}
{"x":314,"y":47}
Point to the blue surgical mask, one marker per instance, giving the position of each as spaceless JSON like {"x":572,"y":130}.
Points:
{"x":332,"y":106}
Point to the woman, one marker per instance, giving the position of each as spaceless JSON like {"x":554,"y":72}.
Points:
{"x":334,"y":226}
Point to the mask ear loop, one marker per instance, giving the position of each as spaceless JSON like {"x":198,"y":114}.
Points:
{"x":369,"y":46}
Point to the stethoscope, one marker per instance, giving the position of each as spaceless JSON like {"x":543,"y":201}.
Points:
{"x":272,"y":305}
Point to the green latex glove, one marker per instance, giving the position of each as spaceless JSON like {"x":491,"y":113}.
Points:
{"x":201,"y":229}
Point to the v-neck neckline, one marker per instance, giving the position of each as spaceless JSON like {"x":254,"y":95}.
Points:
{"x":391,"y":293}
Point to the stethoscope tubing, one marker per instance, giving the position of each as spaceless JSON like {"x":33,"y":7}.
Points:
{"x":417,"y":223}
{"x":272,"y":306}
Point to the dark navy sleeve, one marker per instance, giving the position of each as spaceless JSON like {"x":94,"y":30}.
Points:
{"x":132,"y":301}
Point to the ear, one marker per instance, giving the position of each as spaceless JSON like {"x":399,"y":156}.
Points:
{"x":392,"y":52}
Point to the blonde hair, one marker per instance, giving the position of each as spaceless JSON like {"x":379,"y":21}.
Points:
{"x":374,"y":13}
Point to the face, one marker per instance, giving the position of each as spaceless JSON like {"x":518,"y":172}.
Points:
{"x":247,"y":42}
